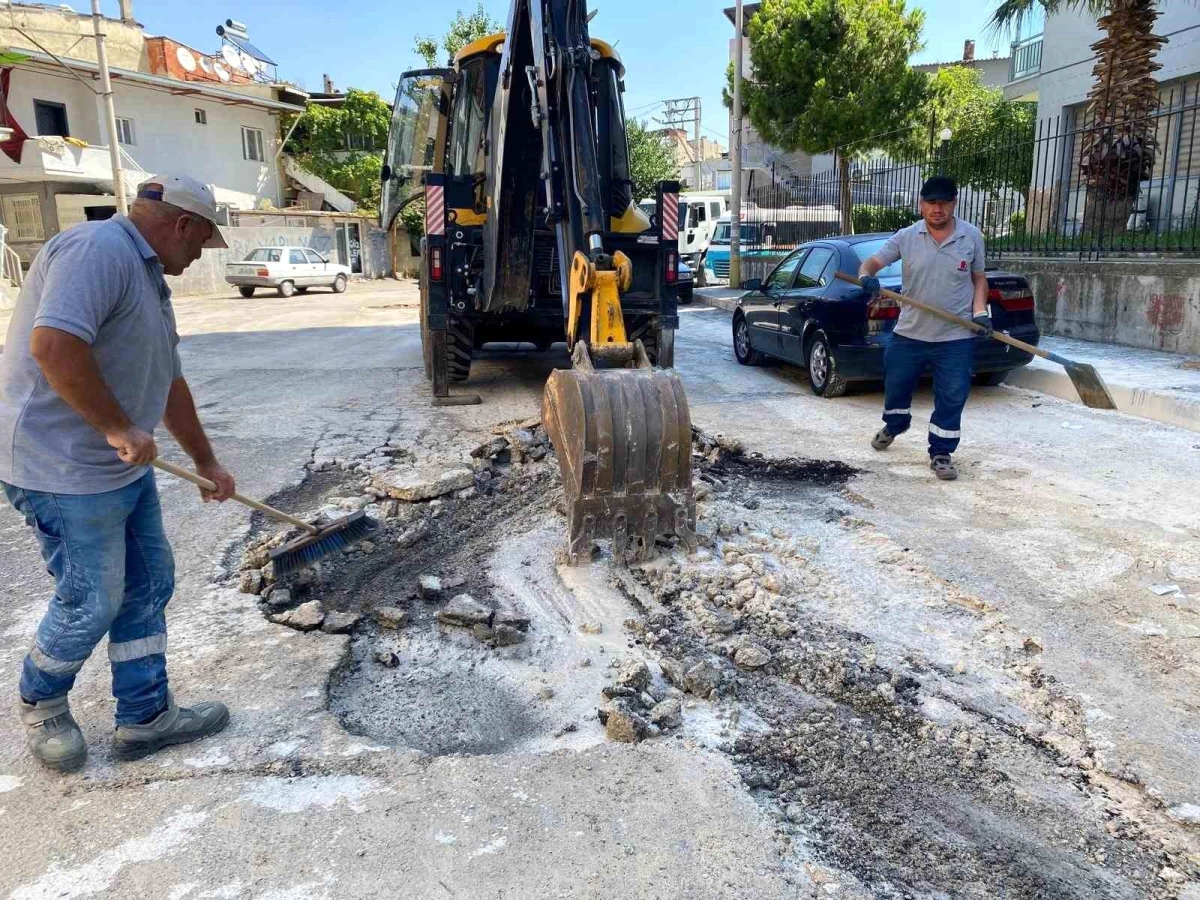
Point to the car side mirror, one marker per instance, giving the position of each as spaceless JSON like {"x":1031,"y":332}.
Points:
{"x":753,"y":284}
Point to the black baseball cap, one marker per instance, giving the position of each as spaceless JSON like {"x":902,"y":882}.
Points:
{"x":939,"y":187}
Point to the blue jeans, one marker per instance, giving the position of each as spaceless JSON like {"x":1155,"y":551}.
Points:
{"x":951,"y":361}
{"x":113,"y":573}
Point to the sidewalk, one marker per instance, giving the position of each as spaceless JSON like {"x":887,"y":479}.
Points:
{"x":1164,"y":387}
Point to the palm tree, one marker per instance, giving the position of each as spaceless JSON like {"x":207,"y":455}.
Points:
{"x":1117,"y":149}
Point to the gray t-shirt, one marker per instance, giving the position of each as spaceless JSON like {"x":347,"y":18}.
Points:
{"x":101,"y":282}
{"x":936,"y":275}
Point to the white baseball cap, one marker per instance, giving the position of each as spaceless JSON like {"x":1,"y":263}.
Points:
{"x":188,"y":194}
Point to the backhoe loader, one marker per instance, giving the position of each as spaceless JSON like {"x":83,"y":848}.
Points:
{"x":531,"y":235}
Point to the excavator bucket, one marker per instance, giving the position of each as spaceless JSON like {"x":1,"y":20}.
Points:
{"x":624,"y":442}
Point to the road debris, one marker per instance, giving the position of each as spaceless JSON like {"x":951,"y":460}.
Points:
{"x":305,"y":617}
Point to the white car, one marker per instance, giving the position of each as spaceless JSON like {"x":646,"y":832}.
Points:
{"x":287,"y":269}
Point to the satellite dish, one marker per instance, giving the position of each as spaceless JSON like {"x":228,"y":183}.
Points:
{"x":249,"y":63}
{"x":186,"y":59}
{"x":206,"y":64}
{"x":232,"y":58}
{"x":221,"y":71}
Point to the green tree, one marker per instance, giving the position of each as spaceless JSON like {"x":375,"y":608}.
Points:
{"x":344,"y":145}
{"x":834,"y":74}
{"x":651,"y":159}
{"x":463,"y":30}
{"x":1118,"y":148}
{"x":992,"y":139}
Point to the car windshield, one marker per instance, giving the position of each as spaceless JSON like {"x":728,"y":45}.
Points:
{"x":263,"y":254}
{"x":749,"y":233}
{"x":864,"y":249}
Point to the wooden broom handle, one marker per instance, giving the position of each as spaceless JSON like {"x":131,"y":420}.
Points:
{"x":950,"y":317}
{"x":240,"y":498}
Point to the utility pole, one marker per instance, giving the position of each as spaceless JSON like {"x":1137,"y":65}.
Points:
{"x":110,"y":114}
{"x":675,"y":117}
{"x":735,"y":232}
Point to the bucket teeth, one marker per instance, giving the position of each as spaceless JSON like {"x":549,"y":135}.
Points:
{"x":623,"y":441}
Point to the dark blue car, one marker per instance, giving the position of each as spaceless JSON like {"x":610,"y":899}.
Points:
{"x":802,"y":314}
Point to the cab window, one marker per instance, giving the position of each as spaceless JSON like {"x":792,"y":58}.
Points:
{"x":296,"y":257}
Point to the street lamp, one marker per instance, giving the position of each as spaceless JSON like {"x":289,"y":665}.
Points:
{"x":943,"y":150}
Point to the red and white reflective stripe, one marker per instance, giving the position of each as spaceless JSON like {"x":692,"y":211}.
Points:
{"x":670,"y":224}
{"x":435,"y":209}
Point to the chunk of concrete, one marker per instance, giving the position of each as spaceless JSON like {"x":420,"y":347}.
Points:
{"x":251,"y":582}
{"x":340,"y":622}
{"x":751,"y":656}
{"x":305,"y":617}
{"x":464,"y":610}
{"x":390,"y":616}
{"x":422,"y":484}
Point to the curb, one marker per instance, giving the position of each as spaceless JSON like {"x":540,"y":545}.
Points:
{"x":1158,"y":406}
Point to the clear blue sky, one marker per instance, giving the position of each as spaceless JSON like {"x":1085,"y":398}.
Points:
{"x":670,"y":49}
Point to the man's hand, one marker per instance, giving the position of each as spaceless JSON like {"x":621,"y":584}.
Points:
{"x":133,"y":445}
{"x":870,"y":284}
{"x":215,"y":472}
{"x":984,"y":321}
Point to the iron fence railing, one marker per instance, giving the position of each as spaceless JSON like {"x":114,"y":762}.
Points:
{"x":1064,"y":186}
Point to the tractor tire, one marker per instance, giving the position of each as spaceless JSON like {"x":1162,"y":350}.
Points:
{"x":647,"y":330}
{"x":460,"y":342}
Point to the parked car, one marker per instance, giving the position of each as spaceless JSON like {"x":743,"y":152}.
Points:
{"x":686,"y":284}
{"x":802,"y":314}
{"x":287,"y":269}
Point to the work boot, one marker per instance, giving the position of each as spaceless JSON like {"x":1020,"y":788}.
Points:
{"x":883,"y":439}
{"x":943,"y":467}
{"x":52,"y":734}
{"x":174,"y":725}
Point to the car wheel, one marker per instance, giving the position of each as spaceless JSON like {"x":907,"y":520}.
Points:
{"x":990,"y":379}
{"x":686,"y":295}
{"x":742,"y":349}
{"x":339,"y":284}
{"x":822,"y":369}
{"x":246,"y":290}
{"x":286,"y":289}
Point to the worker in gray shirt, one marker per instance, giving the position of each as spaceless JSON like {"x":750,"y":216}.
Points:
{"x":942,"y":266}
{"x":89,"y":369}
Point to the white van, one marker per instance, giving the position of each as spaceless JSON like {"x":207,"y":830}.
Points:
{"x":698,"y":215}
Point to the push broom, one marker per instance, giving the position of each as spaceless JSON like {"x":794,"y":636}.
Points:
{"x":1088,"y":383}
{"x":315,"y":544}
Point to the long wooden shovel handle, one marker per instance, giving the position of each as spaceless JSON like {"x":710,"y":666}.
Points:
{"x":200,"y":481}
{"x":958,"y":320}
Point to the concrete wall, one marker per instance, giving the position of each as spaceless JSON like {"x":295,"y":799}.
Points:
{"x":1152,"y":303}
{"x":207,"y":274}
{"x":70,"y":34}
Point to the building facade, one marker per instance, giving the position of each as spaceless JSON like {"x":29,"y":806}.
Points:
{"x":177,"y":109}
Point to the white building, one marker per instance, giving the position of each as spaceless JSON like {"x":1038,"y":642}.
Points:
{"x":177,"y":110}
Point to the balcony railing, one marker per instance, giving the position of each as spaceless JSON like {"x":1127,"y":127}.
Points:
{"x":1026,"y":58}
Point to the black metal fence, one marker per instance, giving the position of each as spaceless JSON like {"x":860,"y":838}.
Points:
{"x":1064,"y":186}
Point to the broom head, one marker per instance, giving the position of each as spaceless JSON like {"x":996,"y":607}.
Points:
{"x":332,"y":538}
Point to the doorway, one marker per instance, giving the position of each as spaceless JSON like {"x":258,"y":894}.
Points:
{"x":349,"y":242}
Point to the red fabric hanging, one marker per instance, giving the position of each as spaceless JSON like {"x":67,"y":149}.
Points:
{"x":12,"y":147}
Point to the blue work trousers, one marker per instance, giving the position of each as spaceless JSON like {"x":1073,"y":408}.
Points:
{"x":113,"y":574}
{"x":950,"y":361}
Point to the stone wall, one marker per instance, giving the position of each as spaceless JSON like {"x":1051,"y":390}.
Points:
{"x":1148,"y":303}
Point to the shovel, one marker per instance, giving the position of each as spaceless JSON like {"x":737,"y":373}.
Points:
{"x":1088,"y":383}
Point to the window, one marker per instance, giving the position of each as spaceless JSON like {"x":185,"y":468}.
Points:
{"x":125,"y":131}
{"x":296,"y":258}
{"x":252,"y":144}
{"x":781,"y":278}
{"x":714,"y":209}
{"x":263,"y":254}
{"x":314,"y":257}
{"x":201,"y":117}
{"x":812,"y":272}
{"x":23,"y":216}
{"x":864,"y":250}
{"x":51,"y":118}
